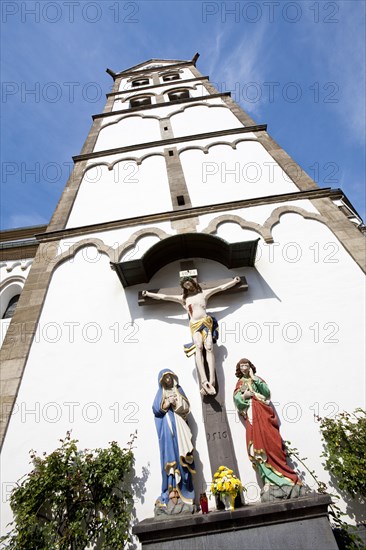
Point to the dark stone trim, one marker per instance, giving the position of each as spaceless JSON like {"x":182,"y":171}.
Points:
{"x":144,"y":88}
{"x":303,"y":508}
{"x":158,"y":105}
{"x":189,"y":212}
{"x":288,"y":165}
{"x":131,"y":72}
{"x":177,"y":182}
{"x":165,"y":142}
{"x":64,"y":205}
{"x":92,"y":137}
{"x":346,"y":232}
{"x":19,"y":253}
{"x":238,"y":111}
{"x":20,"y":233}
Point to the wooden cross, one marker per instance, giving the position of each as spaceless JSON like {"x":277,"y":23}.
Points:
{"x":218,"y":433}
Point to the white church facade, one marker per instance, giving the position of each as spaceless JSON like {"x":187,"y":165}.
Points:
{"x":175,"y":176}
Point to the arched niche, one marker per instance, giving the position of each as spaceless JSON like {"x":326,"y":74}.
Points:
{"x":185,"y":245}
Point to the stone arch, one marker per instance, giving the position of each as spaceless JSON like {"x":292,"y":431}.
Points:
{"x":75,"y":248}
{"x":111,"y":165}
{"x":244,"y":224}
{"x":135,"y":96}
{"x":178,"y":87}
{"x":138,"y":77}
{"x":200,"y":103}
{"x":274,"y":218}
{"x":165,"y":72}
{"x":122,"y":117}
{"x":131,"y":242}
{"x":205,"y":149}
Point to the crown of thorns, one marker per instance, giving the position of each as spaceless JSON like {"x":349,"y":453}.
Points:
{"x":185,"y":279}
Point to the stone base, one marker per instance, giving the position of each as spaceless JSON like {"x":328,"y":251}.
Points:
{"x":270,"y":493}
{"x":295,"y":524}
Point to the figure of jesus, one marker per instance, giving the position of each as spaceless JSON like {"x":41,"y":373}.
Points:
{"x":194,"y":300}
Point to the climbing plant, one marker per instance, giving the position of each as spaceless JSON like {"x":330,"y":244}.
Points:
{"x":73,"y":499}
{"x":344,"y":438}
{"x":345,"y":450}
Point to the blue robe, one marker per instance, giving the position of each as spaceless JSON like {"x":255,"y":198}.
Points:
{"x":170,"y":458}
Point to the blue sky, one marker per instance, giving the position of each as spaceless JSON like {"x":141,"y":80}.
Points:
{"x":297,"y":66}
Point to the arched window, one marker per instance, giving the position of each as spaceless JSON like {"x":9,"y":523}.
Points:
{"x":10,"y":291}
{"x":182,"y":93}
{"x":140,"y":101}
{"x":140,"y":82}
{"x":171,"y":76}
{"x":9,"y":312}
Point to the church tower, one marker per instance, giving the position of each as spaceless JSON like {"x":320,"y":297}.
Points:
{"x":175,"y":177}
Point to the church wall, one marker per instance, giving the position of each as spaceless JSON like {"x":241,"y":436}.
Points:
{"x":94,"y":362}
{"x":256,"y":214}
{"x":101,"y":353}
{"x":126,"y":191}
{"x":225,"y":174}
{"x":134,"y":129}
{"x":210,"y":120}
{"x":97,"y":354}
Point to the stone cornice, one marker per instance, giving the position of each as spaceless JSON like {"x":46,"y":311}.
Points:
{"x":190,"y":212}
{"x":172,"y":141}
{"x":144,"y":88}
{"x":20,"y":233}
{"x":159,"y":105}
{"x":131,"y":72}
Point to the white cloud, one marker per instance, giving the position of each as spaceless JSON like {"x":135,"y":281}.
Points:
{"x":243,"y":64}
{"x":339,"y":50}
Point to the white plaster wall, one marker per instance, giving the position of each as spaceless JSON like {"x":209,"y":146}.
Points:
{"x":301,"y":323}
{"x":121,"y":236}
{"x":225,"y":174}
{"x":128,"y":131}
{"x":126,"y":191}
{"x":256,"y":214}
{"x":94,"y":351}
{"x":110,"y":159}
{"x":202,"y":118}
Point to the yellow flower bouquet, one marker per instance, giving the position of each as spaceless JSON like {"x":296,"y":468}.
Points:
{"x":226,"y":484}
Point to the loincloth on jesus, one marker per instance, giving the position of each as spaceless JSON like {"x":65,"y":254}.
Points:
{"x":205,"y":326}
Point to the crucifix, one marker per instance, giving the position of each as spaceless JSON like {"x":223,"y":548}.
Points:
{"x":193,"y":297}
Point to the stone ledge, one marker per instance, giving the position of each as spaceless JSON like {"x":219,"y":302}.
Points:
{"x":154,"y":532}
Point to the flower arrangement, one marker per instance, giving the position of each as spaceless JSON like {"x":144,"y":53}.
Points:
{"x":225,"y":482}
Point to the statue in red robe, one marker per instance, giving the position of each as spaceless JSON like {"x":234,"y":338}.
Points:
{"x":264,"y":443}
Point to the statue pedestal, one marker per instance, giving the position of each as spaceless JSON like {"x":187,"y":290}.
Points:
{"x":295,"y":524}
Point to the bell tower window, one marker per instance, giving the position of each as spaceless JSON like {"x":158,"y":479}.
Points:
{"x":140,"y":82}
{"x":171,"y":76}
{"x":140,"y":101}
{"x":178,"y":94}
